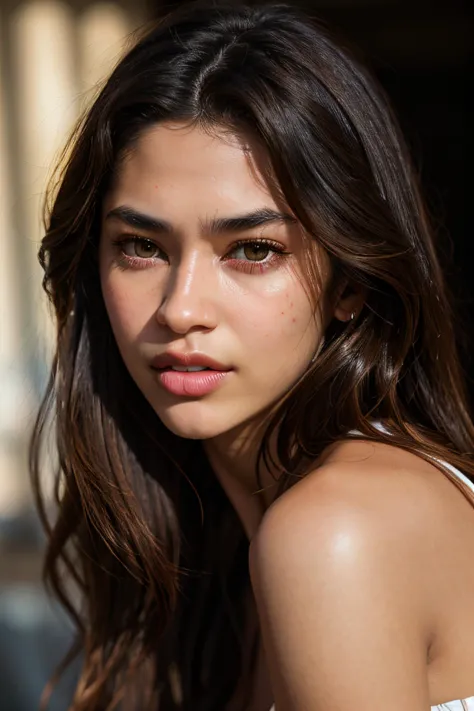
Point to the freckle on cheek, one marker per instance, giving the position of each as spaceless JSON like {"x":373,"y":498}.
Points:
{"x":294,"y":320}
{"x":282,"y":313}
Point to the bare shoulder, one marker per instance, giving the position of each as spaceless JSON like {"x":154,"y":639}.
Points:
{"x":370,"y":512}
{"x":377,"y":494}
{"x":342,"y":569}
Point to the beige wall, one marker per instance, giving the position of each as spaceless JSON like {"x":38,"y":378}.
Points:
{"x":53,"y":53}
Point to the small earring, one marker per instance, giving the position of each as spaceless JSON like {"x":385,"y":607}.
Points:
{"x":353,"y":315}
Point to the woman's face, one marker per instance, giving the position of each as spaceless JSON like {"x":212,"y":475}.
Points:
{"x":198,"y":261}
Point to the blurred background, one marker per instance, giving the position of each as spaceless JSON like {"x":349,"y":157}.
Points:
{"x":53,"y":56}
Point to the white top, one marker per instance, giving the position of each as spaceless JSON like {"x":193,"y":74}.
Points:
{"x":466,"y":704}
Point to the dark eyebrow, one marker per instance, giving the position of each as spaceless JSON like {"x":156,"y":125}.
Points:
{"x":249,"y":221}
{"x":133,"y":218}
{"x":239,"y":223}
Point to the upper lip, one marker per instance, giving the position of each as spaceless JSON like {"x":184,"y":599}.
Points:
{"x":168,"y":359}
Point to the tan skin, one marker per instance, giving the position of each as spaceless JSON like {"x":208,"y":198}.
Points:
{"x":362,"y":572}
{"x":382,"y":522}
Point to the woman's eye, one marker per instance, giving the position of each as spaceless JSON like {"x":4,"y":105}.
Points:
{"x":141,"y":248}
{"x":253,"y":251}
{"x":256,"y":256}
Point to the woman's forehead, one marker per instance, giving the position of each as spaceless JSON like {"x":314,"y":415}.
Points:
{"x":182,"y":166}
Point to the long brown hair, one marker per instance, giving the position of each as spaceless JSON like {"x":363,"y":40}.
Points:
{"x":145,"y":550}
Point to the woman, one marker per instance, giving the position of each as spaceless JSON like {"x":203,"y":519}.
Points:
{"x":254,"y":345}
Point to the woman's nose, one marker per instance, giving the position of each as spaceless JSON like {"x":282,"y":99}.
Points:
{"x":190,"y":298}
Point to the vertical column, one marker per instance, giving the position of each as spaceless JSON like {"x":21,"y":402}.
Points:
{"x":42,"y":103}
{"x":43,"y":44}
{"x":12,"y":383}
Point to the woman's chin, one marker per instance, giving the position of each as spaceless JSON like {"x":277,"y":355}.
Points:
{"x":193,"y":426}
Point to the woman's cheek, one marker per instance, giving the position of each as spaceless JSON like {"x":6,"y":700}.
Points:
{"x":125,"y":309}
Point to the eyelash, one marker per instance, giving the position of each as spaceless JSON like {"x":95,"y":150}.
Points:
{"x":248,"y":267}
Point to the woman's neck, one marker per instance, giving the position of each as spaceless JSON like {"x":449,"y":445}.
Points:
{"x":233,"y":457}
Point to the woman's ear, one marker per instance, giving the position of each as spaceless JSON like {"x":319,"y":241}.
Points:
{"x":349,"y":301}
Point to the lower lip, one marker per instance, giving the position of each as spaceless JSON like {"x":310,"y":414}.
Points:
{"x":192,"y":384}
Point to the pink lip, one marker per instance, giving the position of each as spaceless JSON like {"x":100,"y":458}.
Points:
{"x":191,"y":384}
{"x":194,"y":384}
{"x":168,"y":359}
